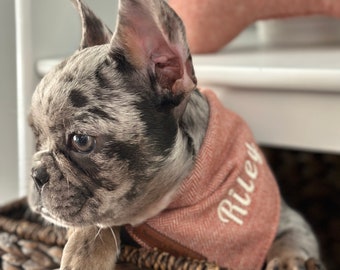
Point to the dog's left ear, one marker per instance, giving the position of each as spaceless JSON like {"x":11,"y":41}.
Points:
{"x":153,"y":38}
{"x":94,"y":31}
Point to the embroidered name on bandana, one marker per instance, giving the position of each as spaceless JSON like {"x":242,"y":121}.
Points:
{"x":227,"y":210}
{"x":237,"y":204}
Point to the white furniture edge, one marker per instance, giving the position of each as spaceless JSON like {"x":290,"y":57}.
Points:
{"x":294,"y":79}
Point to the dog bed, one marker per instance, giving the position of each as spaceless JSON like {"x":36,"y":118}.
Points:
{"x":27,"y":243}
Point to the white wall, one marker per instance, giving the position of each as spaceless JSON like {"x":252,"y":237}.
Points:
{"x":56,"y":25}
{"x":8,"y":115}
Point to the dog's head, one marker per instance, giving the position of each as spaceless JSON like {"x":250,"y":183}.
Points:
{"x":106,"y":120}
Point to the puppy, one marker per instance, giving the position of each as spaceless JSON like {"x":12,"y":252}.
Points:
{"x":127,"y":145}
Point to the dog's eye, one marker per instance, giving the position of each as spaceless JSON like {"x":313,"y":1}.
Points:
{"x":82,"y":143}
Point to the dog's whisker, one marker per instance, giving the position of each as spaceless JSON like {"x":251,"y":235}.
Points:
{"x":115,"y":238}
{"x":98,"y":234}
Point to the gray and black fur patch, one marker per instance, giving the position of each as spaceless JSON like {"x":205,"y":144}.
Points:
{"x":100,"y":113}
{"x":123,"y":65}
{"x":77,"y":99}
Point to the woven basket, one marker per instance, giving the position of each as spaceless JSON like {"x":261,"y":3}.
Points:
{"x":26,"y":243}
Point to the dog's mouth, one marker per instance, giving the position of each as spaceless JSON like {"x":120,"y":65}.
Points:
{"x":67,"y":209}
{"x":48,"y":216}
{"x":40,"y":209}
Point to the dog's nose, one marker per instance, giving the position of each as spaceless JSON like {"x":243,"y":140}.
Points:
{"x":40,"y":176}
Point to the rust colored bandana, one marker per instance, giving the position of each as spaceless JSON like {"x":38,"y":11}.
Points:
{"x":227,"y":210}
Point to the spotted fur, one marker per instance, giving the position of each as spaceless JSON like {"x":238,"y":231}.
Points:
{"x":135,"y":93}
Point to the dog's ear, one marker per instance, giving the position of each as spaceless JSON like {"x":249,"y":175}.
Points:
{"x":153,"y":37}
{"x":94,"y":31}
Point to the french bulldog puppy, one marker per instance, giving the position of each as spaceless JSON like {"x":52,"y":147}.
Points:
{"x":127,"y":145}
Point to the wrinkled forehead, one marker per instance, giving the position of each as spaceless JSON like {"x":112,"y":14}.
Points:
{"x":83,"y":87}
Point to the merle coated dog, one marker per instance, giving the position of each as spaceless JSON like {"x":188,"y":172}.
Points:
{"x":127,"y":145}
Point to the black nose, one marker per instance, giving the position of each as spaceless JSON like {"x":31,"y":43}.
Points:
{"x":40,"y":176}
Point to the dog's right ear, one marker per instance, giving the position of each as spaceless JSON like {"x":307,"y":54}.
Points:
{"x":94,"y":31}
{"x":153,"y":38}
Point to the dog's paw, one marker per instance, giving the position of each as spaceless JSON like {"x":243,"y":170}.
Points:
{"x":91,"y":248}
{"x":294,"y":264}
{"x":89,"y":263}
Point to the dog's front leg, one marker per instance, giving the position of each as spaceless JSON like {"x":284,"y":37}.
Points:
{"x":91,"y":248}
{"x":295,"y":246}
